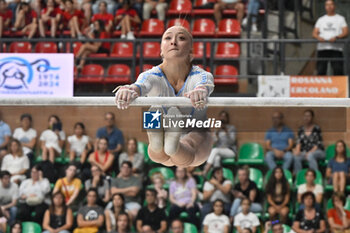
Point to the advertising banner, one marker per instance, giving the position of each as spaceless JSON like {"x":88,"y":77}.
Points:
{"x":273,"y":86}
{"x":36,"y":74}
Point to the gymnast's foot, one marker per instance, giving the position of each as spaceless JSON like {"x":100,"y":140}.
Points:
{"x":156,"y":137}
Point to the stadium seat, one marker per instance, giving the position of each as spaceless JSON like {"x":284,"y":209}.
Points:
{"x":122,"y":50}
{"x":144,"y":68}
{"x":300,"y":178}
{"x":346,"y":206}
{"x":46,"y":47}
{"x":151,"y":50}
{"x":20,"y":47}
{"x":226,"y":74}
{"x":227,"y":173}
{"x":74,"y":49}
{"x":118,"y":74}
{"x":256,"y":176}
{"x":287,"y":174}
{"x":229,"y":28}
{"x":180,"y":7}
{"x":203,"y":28}
{"x":251,"y":154}
{"x":152,"y":28}
{"x":198,"y":50}
{"x":31,"y":227}
{"x":91,"y":73}
{"x":202,"y":12}
{"x":227,"y":50}
{"x":179,"y":22}
{"x":190,"y":228}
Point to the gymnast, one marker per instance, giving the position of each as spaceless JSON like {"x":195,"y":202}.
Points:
{"x":175,"y":76}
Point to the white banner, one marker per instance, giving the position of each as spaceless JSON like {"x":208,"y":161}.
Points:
{"x":36,"y":74}
{"x":273,"y":86}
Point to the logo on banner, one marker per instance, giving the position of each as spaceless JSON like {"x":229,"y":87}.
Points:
{"x":151,"y":120}
{"x":17,"y":73}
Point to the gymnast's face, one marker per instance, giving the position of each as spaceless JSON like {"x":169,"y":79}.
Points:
{"x":176,"y":44}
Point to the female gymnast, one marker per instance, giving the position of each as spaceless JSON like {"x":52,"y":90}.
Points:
{"x":175,"y":76}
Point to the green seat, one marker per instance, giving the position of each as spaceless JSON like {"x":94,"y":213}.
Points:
{"x":31,"y":227}
{"x":227,"y":173}
{"x":190,"y":228}
{"x":61,"y":159}
{"x":228,"y":161}
{"x":300,"y":179}
{"x":251,"y":154}
{"x":142,"y":147}
{"x":287,"y":174}
{"x":286,"y":229}
{"x":346,"y":206}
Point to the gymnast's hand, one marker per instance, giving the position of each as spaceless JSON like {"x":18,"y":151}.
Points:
{"x":125,"y":94}
{"x":198,"y":97}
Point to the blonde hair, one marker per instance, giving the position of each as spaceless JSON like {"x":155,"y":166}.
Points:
{"x":157,"y":175}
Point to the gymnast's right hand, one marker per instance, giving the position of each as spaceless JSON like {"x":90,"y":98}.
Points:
{"x":125,"y":94}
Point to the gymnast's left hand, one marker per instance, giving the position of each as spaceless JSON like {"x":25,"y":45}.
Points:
{"x":198,"y":97}
{"x":125,"y":95}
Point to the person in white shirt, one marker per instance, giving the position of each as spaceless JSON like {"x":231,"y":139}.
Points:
{"x":15,"y":162}
{"x":216,"y":222}
{"x":8,"y":196}
{"x":246,"y":219}
{"x":310,"y":176}
{"x":328,"y":29}
{"x":32,"y":193}
{"x":78,"y":144}
{"x":26,"y":135}
{"x":52,"y":139}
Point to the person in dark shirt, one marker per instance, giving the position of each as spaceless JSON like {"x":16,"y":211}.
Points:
{"x":151,"y":215}
{"x":245,"y":188}
{"x":309,"y":144}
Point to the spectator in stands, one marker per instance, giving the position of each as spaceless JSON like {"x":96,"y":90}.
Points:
{"x":52,"y":139}
{"x":338,"y":167}
{"x":224,"y":142}
{"x":177,"y":226}
{"x":90,"y":217}
{"x":70,"y":186}
{"x":182,"y":196}
{"x":32,"y":193}
{"x":221,"y":5}
{"x":5,"y":135}
{"x":245,"y":188}
{"x":217,"y":221}
{"x":159,"y":5}
{"x":127,"y":18}
{"x":216,"y":188}
{"x":252,"y":15}
{"x":73,"y":20}
{"x":123,"y":223}
{"x":330,"y":28}
{"x":112,"y":6}
{"x":162,"y":194}
{"x":274,"y":227}
{"x":151,"y":215}
{"x":114,"y":135}
{"x":99,"y":182}
{"x":309,"y":145}
{"x":8,"y":196}
{"x":50,"y":16}
{"x":59,"y":217}
{"x":26,"y":20}
{"x":310,"y":186}
{"x":130,"y":186}
{"x":133,"y":156}
{"x":79,"y":143}
{"x":5,"y":17}
{"x":26,"y":135}
{"x":338,"y":217}
{"x":103,"y":15}
{"x":97,"y":32}
{"x":16,"y":227}
{"x":118,"y":207}
{"x":309,"y":219}
{"x":15,"y":162}
{"x":102,"y":157}
{"x":246,"y":219}
{"x":3,"y":222}
{"x":278,"y":195}
{"x":279,"y":142}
